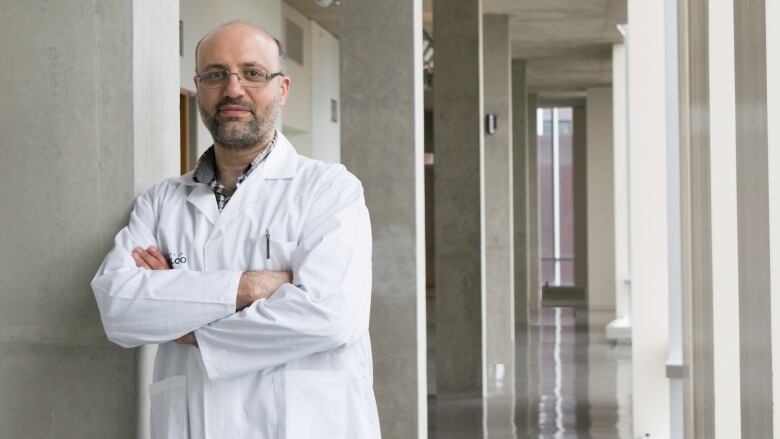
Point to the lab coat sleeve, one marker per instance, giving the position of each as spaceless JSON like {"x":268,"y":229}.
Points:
{"x":326,"y":306}
{"x":139,"y":306}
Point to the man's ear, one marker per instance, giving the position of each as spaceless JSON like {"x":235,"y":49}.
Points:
{"x":284,"y":84}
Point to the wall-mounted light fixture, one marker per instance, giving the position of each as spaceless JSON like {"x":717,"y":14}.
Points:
{"x":491,"y":122}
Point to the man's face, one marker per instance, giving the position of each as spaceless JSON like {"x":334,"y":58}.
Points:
{"x":240,"y":118}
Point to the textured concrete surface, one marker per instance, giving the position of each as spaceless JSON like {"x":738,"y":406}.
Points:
{"x":499,"y":247}
{"x":459,"y":147}
{"x":580,"y":154}
{"x":568,"y":43}
{"x":381,"y":132}
{"x":600,"y":200}
{"x":532,"y":213}
{"x":499,"y":243}
{"x":67,"y":133}
{"x":519,"y":188}
{"x":755,"y":300}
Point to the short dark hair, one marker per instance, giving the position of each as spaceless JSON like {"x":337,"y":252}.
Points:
{"x":279,"y":45}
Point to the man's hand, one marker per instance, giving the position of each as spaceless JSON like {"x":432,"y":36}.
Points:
{"x":256,"y":285}
{"x":188,"y":338}
{"x":150,"y":259}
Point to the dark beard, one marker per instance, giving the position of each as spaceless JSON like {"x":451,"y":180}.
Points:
{"x":235,"y":138}
{"x":240,"y":137}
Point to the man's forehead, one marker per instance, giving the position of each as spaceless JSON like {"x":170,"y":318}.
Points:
{"x":237,"y":38}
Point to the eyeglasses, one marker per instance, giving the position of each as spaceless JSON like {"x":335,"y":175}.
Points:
{"x":248,"y":78}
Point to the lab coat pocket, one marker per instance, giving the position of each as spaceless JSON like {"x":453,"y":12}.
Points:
{"x":278,"y":255}
{"x":169,"y":408}
{"x":315,"y":404}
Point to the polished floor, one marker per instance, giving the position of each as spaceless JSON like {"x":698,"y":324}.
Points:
{"x":569,"y":382}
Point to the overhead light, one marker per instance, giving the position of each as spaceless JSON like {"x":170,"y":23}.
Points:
{"x":325,"y":3}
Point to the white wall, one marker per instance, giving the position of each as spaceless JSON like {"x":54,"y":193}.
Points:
{"x":296,"y":116}
{"x":326,"y":134}
{"x":601,"y":205}
{"x":620,"y":178}
{"x":307,"y":116}
{"x":649,"y":221}
{"x":201,"y":16}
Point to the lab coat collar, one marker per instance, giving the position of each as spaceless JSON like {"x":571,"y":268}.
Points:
{"x":281,"y":163}
{"x":283,"y":160}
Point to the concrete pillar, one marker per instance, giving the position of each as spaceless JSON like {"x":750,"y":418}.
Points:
{"x":459,"y":215}
{"x":520,"y":221}
{"x":601,"y":201}
{"x":620,"y":328}
{"x":499,"y":233}
{"x":580,"y":156}
{"x":648,"y":216}
{"x":755,"y":332}
{"x":79,"y":158}
{"x":519,"y":188}
{"x":532,"y":213}
{"x":382,"y":143}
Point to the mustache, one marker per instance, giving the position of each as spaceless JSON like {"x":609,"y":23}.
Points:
{"x":236,"y":102}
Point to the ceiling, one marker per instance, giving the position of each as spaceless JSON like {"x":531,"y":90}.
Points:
{"x":567,"y":43}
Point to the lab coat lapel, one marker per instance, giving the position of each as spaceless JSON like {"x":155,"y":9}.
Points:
{"x":251,"y":190}
{"x":282,"y":162}
{"x":202,"y":197}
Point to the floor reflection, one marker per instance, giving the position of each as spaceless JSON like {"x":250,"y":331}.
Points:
{"x":569,"y":382}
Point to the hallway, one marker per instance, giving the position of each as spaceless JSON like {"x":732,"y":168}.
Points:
{"x":573,"y":383}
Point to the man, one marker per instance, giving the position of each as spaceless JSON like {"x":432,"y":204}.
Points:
{"x":261,"y":305}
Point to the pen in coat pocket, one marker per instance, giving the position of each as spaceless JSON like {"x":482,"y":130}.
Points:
{"x":267,"y":244}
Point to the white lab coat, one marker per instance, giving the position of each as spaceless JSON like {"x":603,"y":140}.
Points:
{"x":294,"y":366}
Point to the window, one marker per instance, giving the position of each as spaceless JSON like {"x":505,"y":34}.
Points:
{"x":556,"y":199}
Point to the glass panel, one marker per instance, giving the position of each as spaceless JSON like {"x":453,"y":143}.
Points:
{"x":566,"y":196}
{"x":546,"y":229}
{"x":555,"y":149}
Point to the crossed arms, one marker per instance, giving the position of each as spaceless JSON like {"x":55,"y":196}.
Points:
{"x":237,"y":332}
{"x":254,"y":285}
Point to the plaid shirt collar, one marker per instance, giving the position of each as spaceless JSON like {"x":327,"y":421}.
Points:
{"x":206,"y":172}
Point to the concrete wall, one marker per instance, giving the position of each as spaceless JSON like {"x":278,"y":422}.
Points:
{"x":382,"y":132}
{"x":499,"y":233}
{"x":601,"y":204}
{"x":753,"y":218}
{"x":459,"y":183}
{"x":532,"y":211}
{"x":581,"y":207}
{"x":76,"y":161}
{"x":520,"y":188}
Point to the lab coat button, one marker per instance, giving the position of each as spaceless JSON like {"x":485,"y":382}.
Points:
{"x":216,"y":235}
